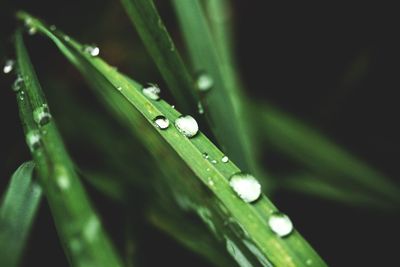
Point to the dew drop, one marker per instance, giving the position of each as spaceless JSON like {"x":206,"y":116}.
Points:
{"x":17,"y":83}
{"x":210,"y":181}
{"x":32,"y":30}
{"x":187,"y":125}
{"x":152,"y":92}
{"x":119,"y":88}
{"x":205,"y":155}
{"x":309,"y":262}
{"x":225,"y":159}
{"x":93,"y":50}
{"x":53,"y":27}
{"x":200,"y":108}
{"x":42,"y":115}
{"x":63,"y":182}
{"x":92,"y":228}
{"x":67,"y":38}
{"x":173,"y":106}
{"x":246,"y":186}
{"x":204,"y":82}
{"x":8,"y":66}
{"x":214,"y":161}
{"x":280,"y":224}
{"x":161,"y":122}
{"x":33,"y":140}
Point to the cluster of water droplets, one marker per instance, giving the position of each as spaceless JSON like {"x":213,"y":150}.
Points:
{"x":29,"y":25}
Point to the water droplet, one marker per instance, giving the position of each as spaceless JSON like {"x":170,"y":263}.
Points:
{"x":67,"y":38}
{"x":204,"y":82}
{"x":161,"y":122}
{"x":91,"y":229}
{"x":93,"y":50}
{"x":225,"y":159}
{"x":53,"y":27}
{"x":280,"y":224}
{"x":246,"y":186}
{"x":210,"y":181}
{"x":119,"y":88}
{"x":187,"y":125}
{"x":214,"y":161}
{"x":63,"y":182}
{"x":205,"y":155}
{"x":8,"y":66}
{"x":28,"y":21}
{"x":33,"y":140}
{"x":309,"y":262}
{"x":42,"y":115}
{"x":200,"y":108}
{"x":17,"y":83}
{"x":32,"y":30}
{"x":173,"y":106}
{"x":152,"y":92}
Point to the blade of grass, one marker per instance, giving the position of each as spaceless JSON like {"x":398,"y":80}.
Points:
{"x":310,"y":148}
{"x":197,"y":183}
{"x":162,"y":49}
{"x":17,"y":213}
{"x":83,"y":238}
{"x":221,"y":111}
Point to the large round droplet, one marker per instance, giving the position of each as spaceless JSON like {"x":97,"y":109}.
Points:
{"x":41,"y":115}
{"x":246,"y":186}
{"x":33,"y":140}
{"x":280,"y":224}
{"x":8,"y":66}
{"x":187,"y":125}
{"x":152,"y":92}
{"x":204,"y":82}
{"x":224,"y":159}
{"x":161,"y":122}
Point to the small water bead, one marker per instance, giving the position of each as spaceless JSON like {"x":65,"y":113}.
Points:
{"x":152,"y":92}
{"x":161,"y":122}
{"x":63,"y":182}
{"x":67,"y":38}
{"x":309,"y":262}
{"x":8,"y":66}
{"x":119,"y":88}
{"x":280,"y":224}
{"x":17,"y":83}
{"x":214,"y":161}
{"x":32,"y":30}
{"x":187,"y":125}
{"x":93,"y":50}
{"x":246,"y":186}
{"x":53,"y":27}
{"x":42,"y":115}
{"x":173,"y":106}
{"x":204,"y":82}
{"x":33,"y":140}
{"x":205,"y":155}
{"x":200,"y":108}
{"x":225,"y":159}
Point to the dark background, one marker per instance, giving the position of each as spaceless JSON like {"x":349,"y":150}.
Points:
{"x":299,"y":58}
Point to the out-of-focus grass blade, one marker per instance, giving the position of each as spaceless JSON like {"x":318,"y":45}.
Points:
{"x":196,"y":182}
{"x":79,"y":228}
{"x":329,"y":189}
{"x":162,"y":49}
{"x":17,"y":213}
{"x":320,"y":155}
{"x":195,"y":238}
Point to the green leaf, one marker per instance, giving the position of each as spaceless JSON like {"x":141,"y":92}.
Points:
{"x":197,"y":183}
{"x":79,"y":228}
{"x":17,"y":213}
